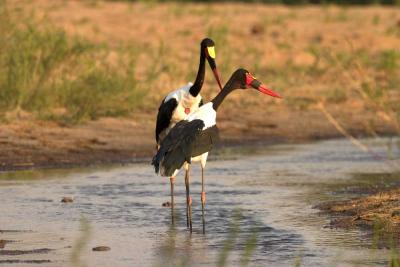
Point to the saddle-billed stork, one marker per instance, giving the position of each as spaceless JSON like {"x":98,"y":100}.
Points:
{"x":191,"y":139}
{"x":181,"y":102}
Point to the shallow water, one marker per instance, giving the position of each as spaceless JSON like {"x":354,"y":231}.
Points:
{"x":262,"y":192}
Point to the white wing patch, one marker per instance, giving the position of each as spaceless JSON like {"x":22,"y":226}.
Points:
{"x":176,"y":94}
{"x":185,"y":101}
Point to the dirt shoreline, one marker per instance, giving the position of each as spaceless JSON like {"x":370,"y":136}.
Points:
{"x":379,"y":212}
{"x":29,"y":144}
{"x":370,"y":203}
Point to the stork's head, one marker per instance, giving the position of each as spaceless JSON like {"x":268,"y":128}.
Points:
{"x":208,"y":47}
{"x":246,"y":80}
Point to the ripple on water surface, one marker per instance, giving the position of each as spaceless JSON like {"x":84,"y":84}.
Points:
{"x":259,"y":201}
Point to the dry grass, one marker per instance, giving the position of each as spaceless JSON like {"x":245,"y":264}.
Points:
{"x":304,"y":53}
{"x":61,"y":77}
{"x":382,"y":208}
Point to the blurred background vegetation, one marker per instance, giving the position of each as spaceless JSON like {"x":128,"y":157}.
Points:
{"x":310,"y":56}
{"x":289,"y":2}
{"x":60,"y":77}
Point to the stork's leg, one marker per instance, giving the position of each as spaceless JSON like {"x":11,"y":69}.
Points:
{"x":203,"y":191}
{"x":188,"y":199}
{"x":172,"y":181}
{"x":203,"y":199}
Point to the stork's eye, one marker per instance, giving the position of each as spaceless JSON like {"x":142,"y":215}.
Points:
{"x":211,"y":51}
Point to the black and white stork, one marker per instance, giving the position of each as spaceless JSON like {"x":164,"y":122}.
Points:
{"x":183,"y":101}
{"x":191,"y":139}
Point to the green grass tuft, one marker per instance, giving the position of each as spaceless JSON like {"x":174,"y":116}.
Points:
{"x":43,"y":70}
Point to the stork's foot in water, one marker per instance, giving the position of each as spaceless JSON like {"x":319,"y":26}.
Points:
{"x":203,"y":198}
{"x":189,"y":213}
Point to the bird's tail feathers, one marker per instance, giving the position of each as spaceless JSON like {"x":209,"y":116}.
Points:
{"x":157,"y":160}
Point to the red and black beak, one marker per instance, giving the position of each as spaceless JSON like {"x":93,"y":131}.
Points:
{"x":217,"y":77}
{"x":211,"y":60}
{"x":256,"y":84}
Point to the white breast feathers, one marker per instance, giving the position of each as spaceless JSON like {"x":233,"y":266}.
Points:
{"x":206,"y":113}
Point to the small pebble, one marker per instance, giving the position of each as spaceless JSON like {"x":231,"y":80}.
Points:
{"x":67,"y":200}
{"x":166,"y":204}
{"x":101,"y":248}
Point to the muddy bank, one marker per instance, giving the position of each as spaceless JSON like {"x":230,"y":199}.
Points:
{"x":379,"y":210}
{"x":27,"y":144}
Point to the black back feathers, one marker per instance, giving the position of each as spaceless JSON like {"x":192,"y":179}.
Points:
{"x":164,"y":116}
{"x":185,"y":140}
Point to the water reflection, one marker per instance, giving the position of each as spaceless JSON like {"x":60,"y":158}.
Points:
{"x":274,"y":192}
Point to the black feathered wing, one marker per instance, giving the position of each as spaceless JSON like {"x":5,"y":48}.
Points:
{"x":184,"y":141}
{"x":164,"y":117}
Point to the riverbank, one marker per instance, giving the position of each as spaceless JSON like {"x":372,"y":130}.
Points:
{"x":376,"y":209}
{"x":381,"y":209}
{"x":27,"y":144}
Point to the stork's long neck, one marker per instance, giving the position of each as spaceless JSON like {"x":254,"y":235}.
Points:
{"x":196,"y":87}
{"x":231,"y":85}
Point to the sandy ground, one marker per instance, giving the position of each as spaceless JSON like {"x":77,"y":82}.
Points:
{"x":379,"y":211}
{"x":34,"y":144}
{"x":277,"y":37}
